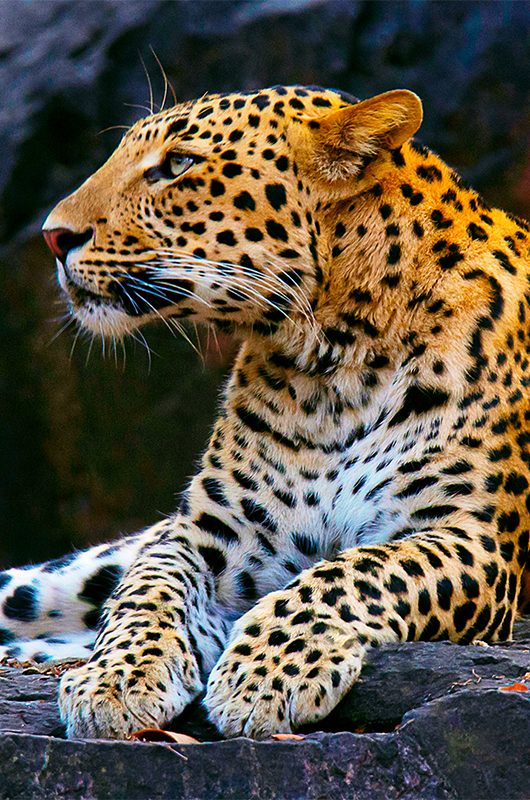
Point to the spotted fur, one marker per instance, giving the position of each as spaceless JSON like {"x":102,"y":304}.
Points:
{"x":366,"y":480}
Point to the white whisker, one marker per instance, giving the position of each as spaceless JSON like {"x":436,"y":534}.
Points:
{"x":271,"y":281}
{"x":124,"y":353}
{"x":139,"y":337}
{"x":114,"y":128}
{"x":62,"y":329}
{"x":168,"y":272}
{"x":139,"y":106}
{"x":152,"y":289}
{"x":102,"y":337}
{"x":151,"y":96}
{"x":167,"y":84}
{"x":90,"y":346}
{"x":185,"y":336}
{"x":274,"y":278}
{"x":172,"y":325}
{"x":198,"y":340}
{"x":115,"y":350}
{"x":76,"y":338}
{"x":216,"y":340}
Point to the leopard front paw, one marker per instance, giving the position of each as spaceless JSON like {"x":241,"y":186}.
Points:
{"x":112,"y":698}
{"x":274,"y":677}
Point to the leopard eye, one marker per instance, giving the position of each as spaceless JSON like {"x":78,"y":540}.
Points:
{"x":179,"y":164}
{"x":173,"y":166}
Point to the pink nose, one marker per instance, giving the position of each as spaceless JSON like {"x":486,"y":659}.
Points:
{"x":62,"y":240}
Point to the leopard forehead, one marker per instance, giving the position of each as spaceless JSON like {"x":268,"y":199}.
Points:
{"x":229,"y":117}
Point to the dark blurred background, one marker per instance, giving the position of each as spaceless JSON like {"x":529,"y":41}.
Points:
{"x":89,"y":449}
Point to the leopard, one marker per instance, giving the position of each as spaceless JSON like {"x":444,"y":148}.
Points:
{"x":366,"y":480}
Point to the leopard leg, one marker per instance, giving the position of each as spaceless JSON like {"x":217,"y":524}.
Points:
{"x":298,"y":651}
{"x":51,"y":611}
{"x":50,"y":649}
{"x":162,"y":631}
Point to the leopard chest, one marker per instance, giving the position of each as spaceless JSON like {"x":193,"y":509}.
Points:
{"x":340,"y":494}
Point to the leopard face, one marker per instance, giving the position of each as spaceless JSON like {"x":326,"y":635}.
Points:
{"x":218,"y":209}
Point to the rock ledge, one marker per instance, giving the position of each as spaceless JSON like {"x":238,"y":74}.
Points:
{"x":429,"y":720}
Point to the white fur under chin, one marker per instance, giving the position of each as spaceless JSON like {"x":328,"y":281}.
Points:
{"x":105,"y":320}
{"x":101,"y":317}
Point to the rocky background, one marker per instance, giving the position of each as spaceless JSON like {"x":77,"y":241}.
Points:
{"x":89,"y":448}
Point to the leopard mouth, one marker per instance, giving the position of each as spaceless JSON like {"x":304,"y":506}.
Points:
{"x":77,"y":293}
{"x":100,"y":314}
{"x":126,"y":294}
{"x":80,"y":296}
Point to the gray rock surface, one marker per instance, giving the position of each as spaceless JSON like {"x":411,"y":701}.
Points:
{"x":427,"y":720}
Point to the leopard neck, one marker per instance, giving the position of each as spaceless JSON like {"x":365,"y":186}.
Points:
{"x":381,"y":304}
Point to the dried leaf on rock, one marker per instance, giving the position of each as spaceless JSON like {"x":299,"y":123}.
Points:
{"x":159,"y":735}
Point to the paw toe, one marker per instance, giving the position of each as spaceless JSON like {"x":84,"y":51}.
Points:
{"x":257,"y":701}
{"x":114,"y":702}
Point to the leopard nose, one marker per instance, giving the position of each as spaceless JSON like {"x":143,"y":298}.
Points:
{"x":62,"y":240}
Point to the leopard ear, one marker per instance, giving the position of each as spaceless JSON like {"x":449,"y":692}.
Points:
{"x":345,"y":139}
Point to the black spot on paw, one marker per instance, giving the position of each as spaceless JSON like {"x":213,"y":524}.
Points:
{"x":99,"y":586}
{"x":5,"y":579}
{"x":22,"y":604}
{"x":91,"y":618}
{"x":56,"y":564}
{"x":6,"y":637}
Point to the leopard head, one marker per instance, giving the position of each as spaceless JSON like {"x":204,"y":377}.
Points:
{"x":221,"y":209}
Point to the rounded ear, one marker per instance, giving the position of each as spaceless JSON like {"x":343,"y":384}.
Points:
{"x":345,"y":139}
